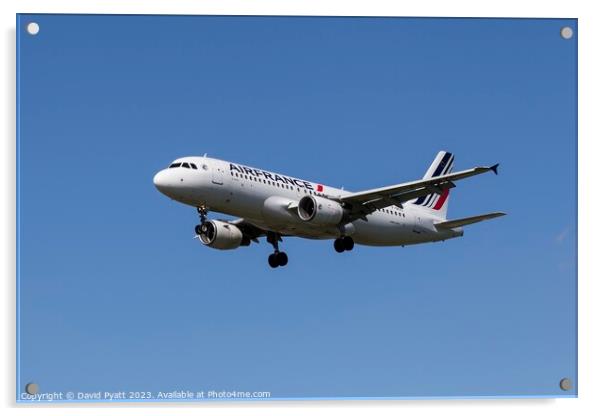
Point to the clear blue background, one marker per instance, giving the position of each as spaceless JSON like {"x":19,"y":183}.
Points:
{"x":114,"y":293}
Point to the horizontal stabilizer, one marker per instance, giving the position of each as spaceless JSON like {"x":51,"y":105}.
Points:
{"x":468,"y":220}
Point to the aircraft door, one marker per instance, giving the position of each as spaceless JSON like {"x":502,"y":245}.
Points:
{"x":417,"y":225}
{"x":222,"y":191}
{"x":217,"y":175}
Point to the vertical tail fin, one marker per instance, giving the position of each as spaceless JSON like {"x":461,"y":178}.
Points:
{"x":442,"y":165}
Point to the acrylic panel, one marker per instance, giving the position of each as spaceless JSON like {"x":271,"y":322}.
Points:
{"x":121,"y":297}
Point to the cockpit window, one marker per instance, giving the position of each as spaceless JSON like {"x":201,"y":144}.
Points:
{"x":183,"y":165}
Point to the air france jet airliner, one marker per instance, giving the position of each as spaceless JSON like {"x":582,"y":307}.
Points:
{"x":275,"y":206}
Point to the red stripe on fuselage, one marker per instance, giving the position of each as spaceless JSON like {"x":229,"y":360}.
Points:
{"x":441,"y":200}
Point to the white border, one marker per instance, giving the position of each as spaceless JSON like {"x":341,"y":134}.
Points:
{"x":590,"y":68}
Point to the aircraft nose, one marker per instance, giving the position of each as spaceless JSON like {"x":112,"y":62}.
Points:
{"x":160,"y":181}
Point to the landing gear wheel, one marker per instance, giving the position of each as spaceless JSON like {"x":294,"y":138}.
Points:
{"x":348,"y":243}
{"x":273,"y":260}
{"x":278,"y":258}
{"x":282,"y":258}
{"x":339,"y":245}
{"x":343,"y":244}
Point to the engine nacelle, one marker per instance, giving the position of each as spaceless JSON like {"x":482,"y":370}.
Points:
{"x":320,"y":211}
{"x":221,"y":235}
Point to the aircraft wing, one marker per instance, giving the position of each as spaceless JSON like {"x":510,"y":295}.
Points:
{"x":365,"y":202}
{"x":249,"y":230}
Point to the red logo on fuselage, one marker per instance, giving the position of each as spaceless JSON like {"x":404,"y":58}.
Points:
{"x":320,"y":188}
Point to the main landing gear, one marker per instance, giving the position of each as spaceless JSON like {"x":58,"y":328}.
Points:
{"x":278,"y":258}
{"x":343,"y":244}
{"x":203,"y":211}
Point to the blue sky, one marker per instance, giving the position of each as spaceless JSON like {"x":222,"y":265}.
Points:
{"x":116,"y":295}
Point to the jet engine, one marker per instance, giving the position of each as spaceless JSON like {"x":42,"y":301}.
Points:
{"x":221,"y":235}
{"x":320,"y":211}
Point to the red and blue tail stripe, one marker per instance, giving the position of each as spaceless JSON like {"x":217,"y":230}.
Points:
{"x":443,"y":167}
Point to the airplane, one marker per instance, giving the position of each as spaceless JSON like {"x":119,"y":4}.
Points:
{"x":274,"y":206}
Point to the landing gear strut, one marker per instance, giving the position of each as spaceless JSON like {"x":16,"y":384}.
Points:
{"x":343,"y":244}
{"x":278,"y":258}
{"x":203,"y":211}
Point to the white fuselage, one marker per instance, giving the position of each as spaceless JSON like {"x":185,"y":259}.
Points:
{"x":264,"y":199}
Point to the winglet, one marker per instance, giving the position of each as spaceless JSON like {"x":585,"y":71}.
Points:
{"x":494,"y":168}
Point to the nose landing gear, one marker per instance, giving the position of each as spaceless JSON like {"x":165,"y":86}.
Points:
{"x":203,"y":211}
{"x":278,"y":258}
{"x":343,"y":244}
